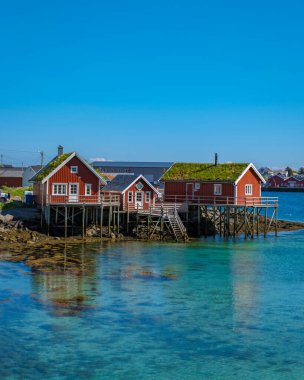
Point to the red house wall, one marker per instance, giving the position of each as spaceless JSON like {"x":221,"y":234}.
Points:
{"x":275,"y":181}
{"x":64,"y":176}
{"x":250,"y":178}
{"x":39,"y":190}
{"x":11,"y":181}
{"x":178,"y":189}
{"x":134,"y":190}
{"x":124,"y":197}
{"x":83,"y":176}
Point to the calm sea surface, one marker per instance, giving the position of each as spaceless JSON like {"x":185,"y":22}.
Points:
{"x":205,"y":310}
{"x":291,"y":205}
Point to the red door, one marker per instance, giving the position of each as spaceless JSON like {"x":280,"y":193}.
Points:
{"x":189,"y":191}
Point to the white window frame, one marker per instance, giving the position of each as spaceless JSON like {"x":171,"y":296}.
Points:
{"x":248,"y":189}
{"x":132,"y":196}
{"x":220,"y":187}
{"x":74,"y":184}
{"x":74,"y":169}
{"x":148,"y":198}
{"x":59,"y":184}
{"x":88,"y":186}
{"x":141,"y":194}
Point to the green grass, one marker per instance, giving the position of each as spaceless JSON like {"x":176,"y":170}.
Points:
{"x":205,"y":172}
{"x":52,"y":165}
{"x":14,"y":192}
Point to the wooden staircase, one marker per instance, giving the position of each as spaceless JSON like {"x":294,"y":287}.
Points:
{"x":169,"y":213}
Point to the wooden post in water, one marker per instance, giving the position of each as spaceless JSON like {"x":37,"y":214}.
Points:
{"x":276,"y":220}
{"x":118,"y":220}
{"x":266,"y":221}
{"x":83,"y":221}
{"x":65,"y":221}
{"x":101,"y":221}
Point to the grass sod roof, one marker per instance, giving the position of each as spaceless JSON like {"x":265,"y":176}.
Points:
{"x":57,"y":161}
{"x":52,"y":165}
{"x":204,"y":172}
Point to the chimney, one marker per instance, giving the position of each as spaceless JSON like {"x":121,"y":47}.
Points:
{"x":215,"y":159}
{"x":60,"y":150}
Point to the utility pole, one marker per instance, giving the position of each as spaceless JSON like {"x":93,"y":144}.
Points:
{"x":41,"y":158}
{"x":1,"y":159}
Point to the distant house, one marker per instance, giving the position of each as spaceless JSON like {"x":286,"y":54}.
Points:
{"x":11,"y":176}
{"x":276,"y":180}
{"x":293,"y":182}
{"x":219,"y":183}
{"x":67,"y":179}
{"x":134,"y":191}
{"x":29,"y":173}
{"x":152,"y":171}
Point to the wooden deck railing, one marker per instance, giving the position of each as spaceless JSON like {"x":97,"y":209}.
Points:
{"x":222,"y":200}
{"x":105,"y":200}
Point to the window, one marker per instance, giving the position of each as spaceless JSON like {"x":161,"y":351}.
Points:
{"x":139,"y":186}
{"x":74,"y":169}
{"x":197,"y":186}
{"x":248,"y":189}
{"x":59,"y":189}
{"x":130,"y":197}
{"x":73,"y":188}
{"x":88,"y":189}
{"x":217,"y":189}
{"x":148,"y":196}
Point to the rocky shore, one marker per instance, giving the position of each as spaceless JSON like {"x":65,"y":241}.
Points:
{"x":21,"y":241}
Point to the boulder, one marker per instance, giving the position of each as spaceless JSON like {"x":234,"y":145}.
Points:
{"x":7,"y":218}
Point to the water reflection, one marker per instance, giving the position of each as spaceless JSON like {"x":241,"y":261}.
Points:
{"x":68,"y":288}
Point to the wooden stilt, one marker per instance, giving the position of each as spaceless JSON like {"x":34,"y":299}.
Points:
{"x":101,"y":221}
{"x":83,"y":221}
{"x":65,"y":221}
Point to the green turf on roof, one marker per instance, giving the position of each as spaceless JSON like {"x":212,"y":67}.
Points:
{"x":204,"y":172}
{"x":52,"y":165}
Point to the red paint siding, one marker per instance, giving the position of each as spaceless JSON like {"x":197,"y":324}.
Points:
{"x":64,"y":176}
{"x":124,"y":197}
{"x":179,"y":190}
{"x":250,"y":178}
{"x":11,"y":181}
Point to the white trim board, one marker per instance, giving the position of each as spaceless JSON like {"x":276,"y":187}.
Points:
{"x":144,"y":179}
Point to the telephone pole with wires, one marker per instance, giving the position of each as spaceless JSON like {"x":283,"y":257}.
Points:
{"x":41,"y":158}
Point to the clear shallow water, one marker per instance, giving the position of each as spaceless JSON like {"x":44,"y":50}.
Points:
{"x":291,"y":205}
{"x":211,"y":309}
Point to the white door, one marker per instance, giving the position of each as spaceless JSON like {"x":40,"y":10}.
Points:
{"x":73,"y":192}
{"x":139,"y":199}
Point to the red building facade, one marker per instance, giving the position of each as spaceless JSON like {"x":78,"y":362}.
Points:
{"x":135,"y":192}
{"x":245,"y":186}
{"x":68,"y":179}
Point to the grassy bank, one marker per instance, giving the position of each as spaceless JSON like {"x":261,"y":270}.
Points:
{"x":14,"y":192}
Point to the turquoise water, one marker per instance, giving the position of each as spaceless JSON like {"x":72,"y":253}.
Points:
{"x":210,"y":309}
{"x":291,"y":205}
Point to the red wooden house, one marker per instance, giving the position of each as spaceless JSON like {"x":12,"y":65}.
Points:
{"x":293,"y":182}
{"x":276,"y":180}
{"x":135,"y":192}
{"x":230,"y":183}
{"x":67,"y":179}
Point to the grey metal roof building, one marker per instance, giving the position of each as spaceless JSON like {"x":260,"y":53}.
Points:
{"x":150,"y":170}
{"x":120,"y":182}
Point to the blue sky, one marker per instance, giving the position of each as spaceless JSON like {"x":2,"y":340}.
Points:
{"x":165,"y":80}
